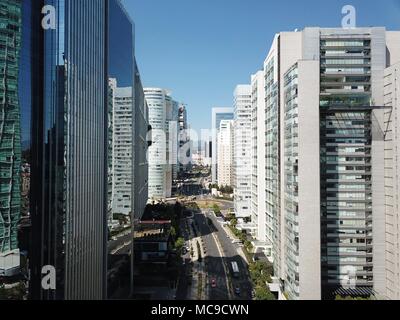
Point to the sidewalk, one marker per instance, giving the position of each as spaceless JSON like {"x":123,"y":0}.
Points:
{"x":231,"y":236}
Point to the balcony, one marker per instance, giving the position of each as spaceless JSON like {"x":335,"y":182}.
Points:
{"x":343,"y":91}
{"x":343,"y":72}
{"x":343,"y":82}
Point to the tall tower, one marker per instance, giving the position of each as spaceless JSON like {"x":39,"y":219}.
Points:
{"x":69,"y":143}
{"x":10,"y":136}
{"x":225,"y":153}
{"x":161,"y":119}
{"x":242,"y":151}
{"x":218,"y":114}
{"x":325,"y":169}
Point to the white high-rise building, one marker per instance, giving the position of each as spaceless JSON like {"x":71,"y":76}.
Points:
{"x":325,"y":162}
{"x":206,"y":150}
{"x":218,"y":114}
{"x":225,"y":153}
{"x":121,"y":155}
{"x":242,"y":152}
{"x":391,"y":289}
{"x":258,"y":181}
{"x":163,"y":153}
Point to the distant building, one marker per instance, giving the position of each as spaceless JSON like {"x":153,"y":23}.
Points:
{"x":198,"y":158}
{"x":185,"y":150}
{"x":225,"y":153}
{"x":174,"y":137}
{"x":242,"y":152}
{"x":208,"y":153}
{"x":163,"y":152}
{"x":218,"y":114}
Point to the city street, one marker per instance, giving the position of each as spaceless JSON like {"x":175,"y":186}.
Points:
{"x":220,"y":252}
{"x":230,"y":254}
{"x":121,"y":244}
{"x":183,"y":288}
{"x":214,"y":261}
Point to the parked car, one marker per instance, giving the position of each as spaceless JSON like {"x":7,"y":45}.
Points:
{"x":213,"y":283}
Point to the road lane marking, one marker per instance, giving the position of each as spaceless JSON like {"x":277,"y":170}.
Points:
{"x":223,"y":262}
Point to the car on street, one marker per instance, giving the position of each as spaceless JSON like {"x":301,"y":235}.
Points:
{"x":237,"y":290}
{"x":213,"y":283}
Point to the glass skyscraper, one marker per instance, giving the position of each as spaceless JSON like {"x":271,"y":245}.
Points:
{"x":10,"y":134}
{"x":69,"y":164}
{"x":127,"y":148}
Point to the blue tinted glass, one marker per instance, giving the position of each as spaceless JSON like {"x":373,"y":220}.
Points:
{"x":121,"y":52}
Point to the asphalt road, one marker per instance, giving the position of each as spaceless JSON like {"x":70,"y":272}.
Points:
{"x":214,"y":261}
{"x":231,"y":254}
{"x":193,"y":188}
{"x":121,"y":245}
{"x":182,"y":292}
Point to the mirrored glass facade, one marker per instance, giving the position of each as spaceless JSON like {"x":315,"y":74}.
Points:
{"x":69,"y":164}
{"x":121,"y":68}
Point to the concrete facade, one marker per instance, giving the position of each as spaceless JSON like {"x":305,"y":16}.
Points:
{"x":325,"y":182}
{"x":242,"y":152}
{"x":218,"y":114}
{"x":391,"y":288}
{"x":225,"y":153}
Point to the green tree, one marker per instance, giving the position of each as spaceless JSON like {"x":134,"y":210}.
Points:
{"x":263,"y":293}
{"x":260,"y":273}
{"x":173,"y":232}
{"x":217,"y":210}
{"x":248,"y":245}
{"x":179,"y":244}
{"x":234,"y":222}
{"x":226,"y":189}
{"x":213,"y":186}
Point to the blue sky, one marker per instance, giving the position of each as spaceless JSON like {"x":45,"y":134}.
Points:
{"x":200,"y":49}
